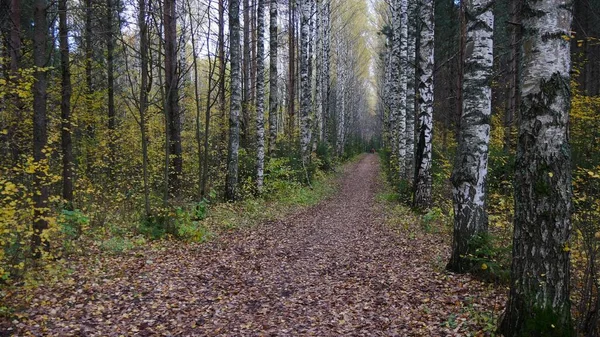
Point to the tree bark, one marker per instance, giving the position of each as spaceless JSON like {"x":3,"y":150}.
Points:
{"x":305,"y":101}
{"x":273,"y":79}
{"x":172,"y":109}
{"x":65,"y":107}
{"x":144,"y":91}
{"x":40,"y":132}
{"x":538,"y":302}
{"x":246,"y":99}
{"x":231,"y":193}
{"x":423,"y":179}
{"x":411,"y":91}
{"x":470,"y":167}
{"x":260,"y":95}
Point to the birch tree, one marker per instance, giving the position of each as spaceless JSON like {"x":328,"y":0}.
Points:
{"x":236,"y":101}
{"x":394,"y":97}
{"x":470,"y":167}
{"x":325,"y":78}
{"x":538,"y":302}
{"x":411,"y":90}
{"x":273,"y":76}
{"x":402,"y":88}
{"x":260,"y":95}
{"x":305,"y":83}
{"x":423,"y":180}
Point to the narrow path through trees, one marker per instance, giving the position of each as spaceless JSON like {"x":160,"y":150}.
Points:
{"x":335,"y":269}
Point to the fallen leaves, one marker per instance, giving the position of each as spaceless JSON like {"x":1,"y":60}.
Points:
{"x":334,"y":269}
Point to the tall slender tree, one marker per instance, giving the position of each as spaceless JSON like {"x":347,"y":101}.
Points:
{"x":40,"y":121}
{"x":144,"y":88}
{"x":231,"y":193}
{"x":411,"y":90}
{"x":538,"y":302}
{"x":273,"y":76}
{"x":172,"y":109}
{"x":402,"y":87}
{"x":470,"y":167}
{"x":65,"y":106}
{"x":423,"y":154}
{"x":246,"y":74}
{"x":305,"y":87}
{"x":325,"y":79}
{"x":260,"y":95}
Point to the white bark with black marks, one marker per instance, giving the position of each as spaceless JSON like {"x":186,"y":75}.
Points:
{"x":231,"y":186}
{"x":542,"y":224}
{"x":273,"y":100}
{"x":470,"y":167}
{"x":423,"y":179}
{"x":260,"y":95}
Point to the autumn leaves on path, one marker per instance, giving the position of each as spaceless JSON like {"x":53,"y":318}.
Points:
{"x":333,"y":269}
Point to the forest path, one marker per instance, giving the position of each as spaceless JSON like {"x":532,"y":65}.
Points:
{"x":334,"y":269}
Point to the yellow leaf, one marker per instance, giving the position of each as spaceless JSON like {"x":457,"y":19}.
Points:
{"x":484,"y":266}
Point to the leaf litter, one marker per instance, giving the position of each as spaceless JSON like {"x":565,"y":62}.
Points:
{"x":334,"y":269}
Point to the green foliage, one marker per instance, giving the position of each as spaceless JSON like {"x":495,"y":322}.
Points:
{"x":489,"y":261}
{"x":72,"y":223}
{"x":542,"y":322}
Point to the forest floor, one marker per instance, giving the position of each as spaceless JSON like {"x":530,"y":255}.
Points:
{"x":335,"y":269}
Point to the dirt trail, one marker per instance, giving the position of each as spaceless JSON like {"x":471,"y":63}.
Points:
{"x":332,"y":270}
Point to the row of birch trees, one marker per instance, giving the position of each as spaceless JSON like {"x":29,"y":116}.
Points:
{"x":540,"y":274}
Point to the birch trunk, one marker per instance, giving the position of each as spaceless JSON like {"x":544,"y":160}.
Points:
{"x":236,"y":101}
{"x":260,"y":95}
{"x":410,"y":90}
{"x":395,"y":87}
{"x":470,"y":167}
{"x":402,"y":89}
{"x":326,"y":88}
{"x":423,"y":180}
{"x":538,"y":302}
{"x":318,"y":110}
{"x":305,"y":92}
{"x":273,"y":100}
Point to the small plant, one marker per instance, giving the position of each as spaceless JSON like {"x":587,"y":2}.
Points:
{"x":72,"y":223}
{"x":488,"y":260}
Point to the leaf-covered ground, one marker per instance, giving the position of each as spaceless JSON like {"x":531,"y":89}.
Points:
{"x":335,"y":269}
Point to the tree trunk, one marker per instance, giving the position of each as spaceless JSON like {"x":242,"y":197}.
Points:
{"x":411,"y":91}
{"x":395,"y":88}
{"x":231,"y":193}
{"x":260,"y":96}
{"x":110,"y":75}
{"x":273,"y":102}
{"x":423,"y":180}
{"x":245,"y":120}
{"x":513,"y":77}
{"x":40,"y":132}
{"x":538,"y":302}
{"x":291,"y":68}
{"x":305,"y":101}
{"x":470,"y":167}
{"x":172,"y":110}
{"x":402,"y":88}
{"x":65,"y":107}
{"x":326,"y":88}
{"x":144,"y":91}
